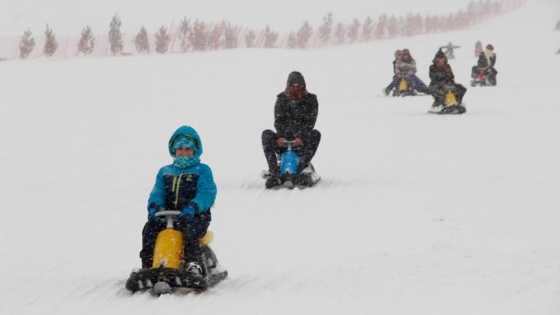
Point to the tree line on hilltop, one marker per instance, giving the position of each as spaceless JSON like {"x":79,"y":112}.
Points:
{"x":200,"y":35}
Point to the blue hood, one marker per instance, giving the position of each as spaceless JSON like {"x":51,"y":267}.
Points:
{"x":188,"y":132}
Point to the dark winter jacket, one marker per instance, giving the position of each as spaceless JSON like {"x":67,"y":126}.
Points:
{"x":441,"y":77}
{"x":295,"y":119}
{"x":176,"y":188}
{"x":484,"y":63}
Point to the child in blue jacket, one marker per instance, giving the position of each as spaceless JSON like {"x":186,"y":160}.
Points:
{"x":187,"y":186}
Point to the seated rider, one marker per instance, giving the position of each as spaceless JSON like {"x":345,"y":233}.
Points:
{"x":187,"y":186}
{"x":486,"y":63}
{"x":443,"y":80}
{"x":405,"y":68}
{"x":295,"y":114}
{"x":391,"y":85}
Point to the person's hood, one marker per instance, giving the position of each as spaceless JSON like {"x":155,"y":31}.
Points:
{"x":295,"y":77}
{"x":189,"y":133}
{"x":439,"y":54}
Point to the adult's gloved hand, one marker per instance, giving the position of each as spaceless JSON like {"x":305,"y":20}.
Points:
{"x":281,"y":142}
{"x":152,"y":212}
{"x":188,"y":211}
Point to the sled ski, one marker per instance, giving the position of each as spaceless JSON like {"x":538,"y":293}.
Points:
{"x":168,"y":273}
{"x":307,"y":178}
{"x":165,"y":280}
{"x":289,"y":177}
{"x":448,"y":110}
{"x":449,"y":106}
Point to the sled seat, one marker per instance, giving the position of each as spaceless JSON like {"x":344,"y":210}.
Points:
{"x":207,"y":238}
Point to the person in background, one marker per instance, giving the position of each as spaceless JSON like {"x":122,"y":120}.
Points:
{"x":443,"y":80}
{"x":406,"y":69}
{"x":477,"y":48}
{"x":449,"y":50}
{"x":295,"y":115}
{"x":486,"y":63}
{"x":392,"y":85}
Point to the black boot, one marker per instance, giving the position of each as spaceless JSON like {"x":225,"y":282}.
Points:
{"x":274,"y":169}
{"x":302,"y":166}
{"x":146,"y":264}
{"x":272,"y":182}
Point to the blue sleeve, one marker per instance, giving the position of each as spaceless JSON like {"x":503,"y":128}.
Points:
{"x":206,"y":191}
{"x":157,"y":196}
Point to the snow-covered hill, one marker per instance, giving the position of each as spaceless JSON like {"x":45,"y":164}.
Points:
{"x":416,"y":213}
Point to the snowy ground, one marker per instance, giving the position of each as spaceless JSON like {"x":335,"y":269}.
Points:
{"x":416,"y":213}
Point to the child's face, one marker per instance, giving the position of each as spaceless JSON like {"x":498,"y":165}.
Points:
{"x":183,"y":151}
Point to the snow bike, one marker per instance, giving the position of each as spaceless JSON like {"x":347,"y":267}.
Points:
{"x":483,"y":78}
{"x":450,"y":106}
{"x":168,"y":274}
{"x":480,"y":79}
{"x":404,"y":89}
{"x":289,"y":176}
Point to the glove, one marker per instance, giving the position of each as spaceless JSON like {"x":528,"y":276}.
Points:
{"x":281,"y":142}
{"x":152,"y":212}
{"x":188,"y":211}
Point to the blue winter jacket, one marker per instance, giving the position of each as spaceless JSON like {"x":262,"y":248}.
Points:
{"x":176,"y":188}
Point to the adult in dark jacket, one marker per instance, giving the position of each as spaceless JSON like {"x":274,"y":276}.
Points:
{"x":486,"y":63}
{"x":295,"y":114}
{"x":443,"y":80}
{"x":188,"y":186}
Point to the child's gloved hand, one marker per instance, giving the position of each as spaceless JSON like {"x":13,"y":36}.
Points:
{"x":188,"y":211}
{"x":152,"y":212}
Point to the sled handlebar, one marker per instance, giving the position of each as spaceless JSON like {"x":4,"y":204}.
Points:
{"x":169,"y":216}
{"x":290,"y":144}
{"x":164,"y":213}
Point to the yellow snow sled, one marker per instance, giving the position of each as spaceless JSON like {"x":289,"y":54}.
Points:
{"x":403,"y":85}
{"x":450,"y":105}
{"x":404,"y":89}
{"x":450,"y":99}
{"x":168,"y":250}
{"x":168,"y":269}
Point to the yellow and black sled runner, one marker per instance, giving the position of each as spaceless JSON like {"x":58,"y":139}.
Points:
{"x":449,"y":105}
{"x":168,"y":273}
